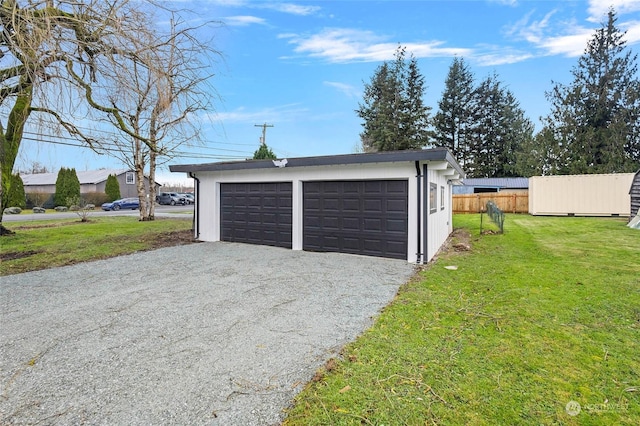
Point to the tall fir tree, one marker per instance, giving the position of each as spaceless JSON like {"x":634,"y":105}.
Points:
{"x":393,"y":111}
{"x":482,"y":126}
{"x":500,"y":128}
{"x":595,"y":120}
{"x":453,"y":123}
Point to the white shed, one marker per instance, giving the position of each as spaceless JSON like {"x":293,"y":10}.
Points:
{"x":580,"y":195}
{"x":387,"y":204}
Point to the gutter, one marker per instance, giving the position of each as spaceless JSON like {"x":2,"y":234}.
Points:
{"x":419,"y":176}
{"x":196,"y":213}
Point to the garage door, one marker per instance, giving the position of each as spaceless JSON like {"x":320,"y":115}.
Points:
{"x":360,"y":217}
{"x":256,"y":213}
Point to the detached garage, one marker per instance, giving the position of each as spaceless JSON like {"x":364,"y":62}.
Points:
{"x":388,"y":204}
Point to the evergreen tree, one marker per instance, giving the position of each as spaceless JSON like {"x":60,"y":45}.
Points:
{"x":395,"y":116}
{"x":59,"y":197}
{"x":112,"y":188}
{"x":264,"y":153}
{"x":16,"y":196}
{"x":482,"y":126}
{"x":501,"y":127}
{"x":595,"y":120}
{"x":73,"y":187}
{"x":453,"y":123}
{"x":539,"y":156}
{"x":67,"y":187}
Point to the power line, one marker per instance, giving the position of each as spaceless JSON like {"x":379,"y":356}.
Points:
{"x":175,"y":153}
{"x":39,"y":135}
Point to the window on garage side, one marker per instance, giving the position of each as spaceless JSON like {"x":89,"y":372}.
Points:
{"x":442,"y":198}
{"x":433,"y":197}
{"x":130,"y":178}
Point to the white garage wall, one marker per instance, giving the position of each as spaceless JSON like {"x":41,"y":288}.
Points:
{"x":438,"y":224}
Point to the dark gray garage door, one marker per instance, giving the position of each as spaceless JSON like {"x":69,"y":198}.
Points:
{"x":360,"y":217}
{"x":256,"y":213}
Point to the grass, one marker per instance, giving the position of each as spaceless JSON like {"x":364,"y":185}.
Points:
{"x":49,"y":243}
{"x":545,"y":314}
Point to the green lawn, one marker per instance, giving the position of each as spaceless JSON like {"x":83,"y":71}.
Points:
{"x":545,"y":314}
{"x":48,"y":243}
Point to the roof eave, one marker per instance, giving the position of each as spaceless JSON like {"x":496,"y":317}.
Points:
{"x":435,"y":154}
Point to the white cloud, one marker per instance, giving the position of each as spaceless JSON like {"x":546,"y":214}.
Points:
{"x":281,"y":113}
{"x":290,"y":8}
{"x":349,"y":45}
{"x":242,"y":21}
{"x":598,"y":9}
{"x":532,"y":32}
{"x":505,"y":2}
{"x":346,"y":89}
{"x":633,"y":31}
{"x":294,"y":9}
{"x":500,"y":57}
{"x":568,"y":45}
{"x":569,"y":38}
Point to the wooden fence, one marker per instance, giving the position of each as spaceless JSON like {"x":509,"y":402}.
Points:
{"x":507,"y":202}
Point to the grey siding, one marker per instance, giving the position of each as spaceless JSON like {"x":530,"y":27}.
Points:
{"x":635,"y":195}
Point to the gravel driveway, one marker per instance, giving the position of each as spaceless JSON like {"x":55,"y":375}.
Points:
{"x":209,"y":333}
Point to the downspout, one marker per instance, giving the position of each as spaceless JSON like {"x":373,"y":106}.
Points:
{"x":196,"y":214}
{"x":419,"y":204}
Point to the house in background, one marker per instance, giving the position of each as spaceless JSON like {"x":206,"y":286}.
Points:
{"x":482,"y":185}
{"x":91,"y":181}
{"x":509,"y":194}
{"x":385,"y":204}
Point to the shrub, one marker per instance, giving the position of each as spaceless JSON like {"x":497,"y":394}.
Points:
{"x":96,"y":198}
{"x":40,"y":199}
{"x":112,"y":189}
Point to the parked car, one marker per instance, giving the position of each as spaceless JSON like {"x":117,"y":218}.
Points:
{"x":189,"y":198}
{"x":123,"y":203}
{"x":171,"y":198}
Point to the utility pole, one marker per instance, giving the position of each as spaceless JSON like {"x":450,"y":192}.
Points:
{"x":263,"y":139}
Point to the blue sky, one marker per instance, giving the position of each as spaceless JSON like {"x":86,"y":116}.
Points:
{"x":301,"y":66}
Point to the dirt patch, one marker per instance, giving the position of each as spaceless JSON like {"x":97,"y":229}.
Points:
{"x":50,"y":225}
{"x":170,"y":239}
{"x":15,"y":255}
{"x":458,"y":242}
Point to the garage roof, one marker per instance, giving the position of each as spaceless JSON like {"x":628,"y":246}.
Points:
{"x":434,"y":154}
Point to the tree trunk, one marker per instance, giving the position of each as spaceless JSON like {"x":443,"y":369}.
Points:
{"x":139,"y":169}
{"x":152,"y":185}
{"x":9,"y":145}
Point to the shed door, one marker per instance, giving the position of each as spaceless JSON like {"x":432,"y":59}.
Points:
{"x":366,"y":217}
{"x":256,"y":213}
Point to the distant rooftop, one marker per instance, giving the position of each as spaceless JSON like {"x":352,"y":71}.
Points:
{"x":503,"y":183}
{"x":85,"y":177}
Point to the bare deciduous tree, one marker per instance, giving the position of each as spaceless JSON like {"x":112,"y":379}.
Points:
{"x":160,"y":85}
{"x":40,"y":42}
